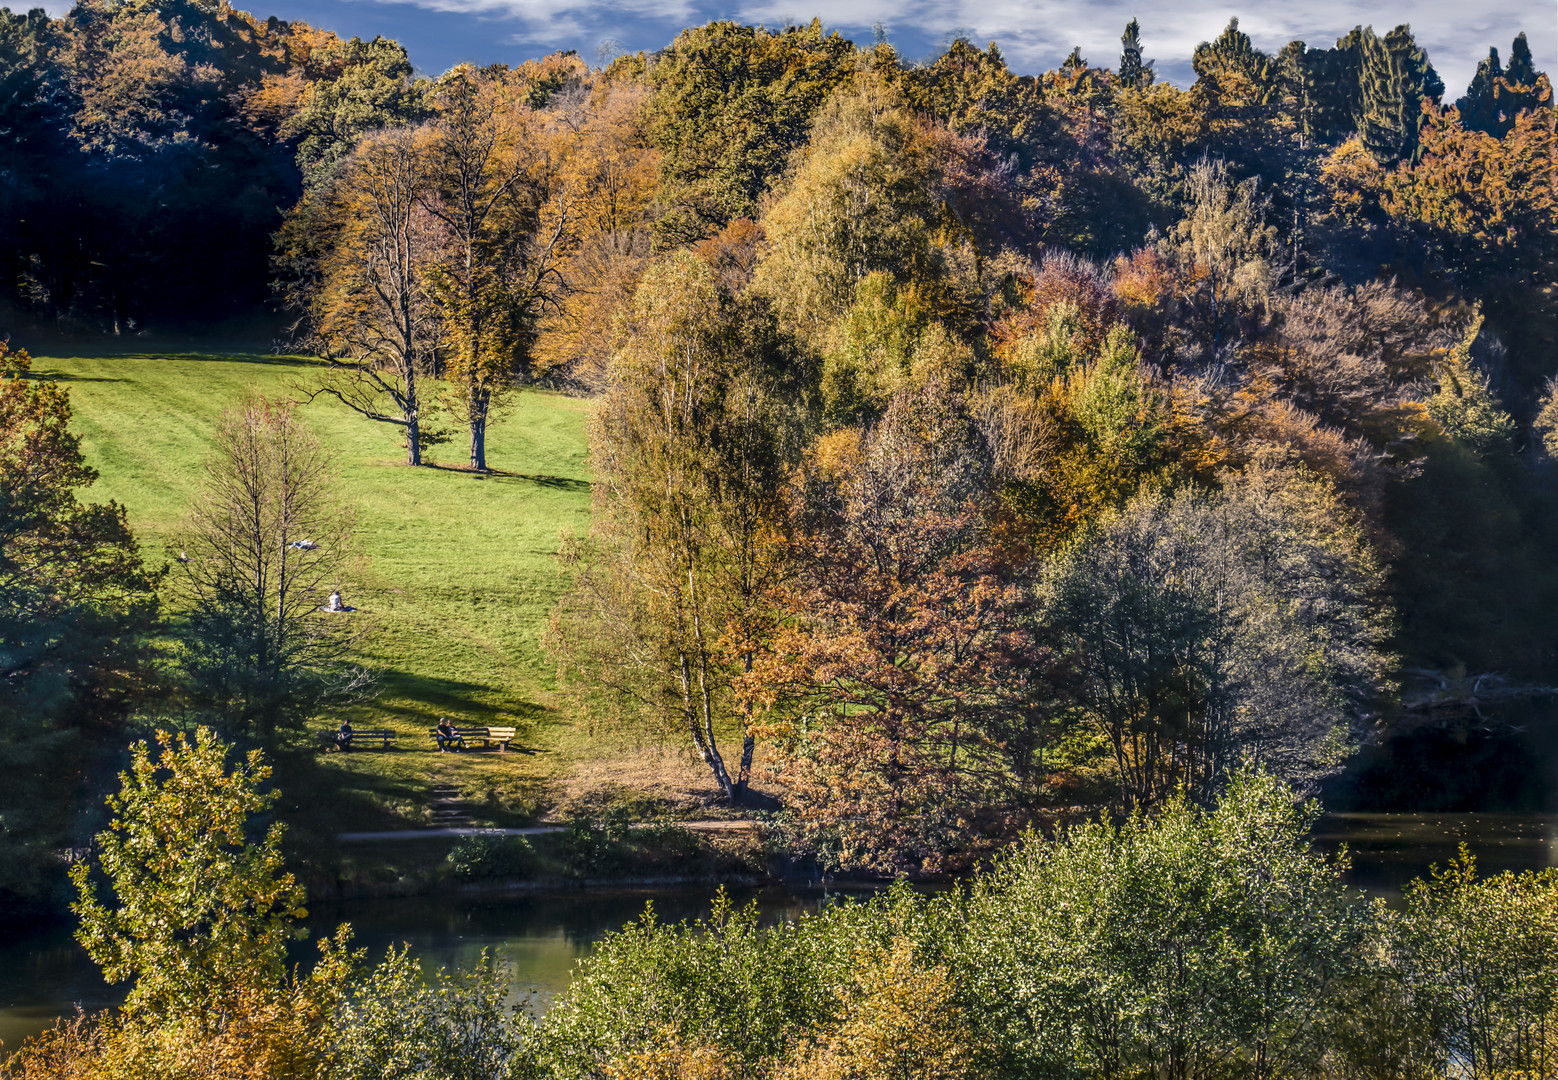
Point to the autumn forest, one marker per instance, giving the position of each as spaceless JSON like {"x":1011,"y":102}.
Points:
{"x":1044,"y":483}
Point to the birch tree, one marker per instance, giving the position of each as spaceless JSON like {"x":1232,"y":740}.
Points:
{"x":703,"y":412}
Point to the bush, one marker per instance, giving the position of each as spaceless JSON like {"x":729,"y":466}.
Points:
{"x":594,"y":842}
{"x":723,"y":986}
{"x":489,"y":858}
{"x":400,"y":1024}
{"x":1199,"y":942}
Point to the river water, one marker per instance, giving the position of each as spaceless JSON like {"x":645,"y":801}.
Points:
{"x":539,"y":936}
{"x":542,"y":935}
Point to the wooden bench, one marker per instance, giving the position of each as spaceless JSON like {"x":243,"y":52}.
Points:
{"x":383,"y":736}
{"x":488,"y":736}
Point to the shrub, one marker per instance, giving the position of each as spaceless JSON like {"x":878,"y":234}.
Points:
{"x":488,"y":858}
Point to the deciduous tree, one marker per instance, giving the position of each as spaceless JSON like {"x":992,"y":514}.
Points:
{"x":194,"y":911}
{"x":1215,"y":630}
{"x":265,"y":543}
{"x":705,"y":409}
{"x":909,"y":693}
{"x":371,"y":308}
{"x":77,"y":606}
{"x":730,"y":104}
{"x":488,"y":179}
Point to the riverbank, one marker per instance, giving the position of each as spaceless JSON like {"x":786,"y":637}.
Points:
{"x":540,"y":929}
{"x":607,"y":845}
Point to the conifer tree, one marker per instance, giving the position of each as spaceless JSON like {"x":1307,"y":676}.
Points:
{"x":1522,"y":69}
{"x":1131,"y":69}
{"x":1479,"y":108}
{"x":1233,"y":71}
{"x":1497,"y":95}
{"x":1395,"y":78}
{"x":1324,"y":84}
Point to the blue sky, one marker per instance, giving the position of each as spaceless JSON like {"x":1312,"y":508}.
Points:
{"x":1034,"y":34}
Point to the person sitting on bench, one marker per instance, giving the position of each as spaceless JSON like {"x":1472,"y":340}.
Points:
{"x":447,"y":736}
{"x":343,"y":735}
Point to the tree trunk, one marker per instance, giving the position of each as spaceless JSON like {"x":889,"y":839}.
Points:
{"x":413,"y":413}
{"x":479,"y":445}
{"x":480,"y":400}
{"x":716,"y":762}
{"x":744,"y":777}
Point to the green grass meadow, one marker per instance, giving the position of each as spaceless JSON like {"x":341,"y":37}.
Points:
{"x":457,"y":583}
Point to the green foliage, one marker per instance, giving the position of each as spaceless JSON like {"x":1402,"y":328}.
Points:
{"x":358,"y":87}
{"x":722,"y":982}
{"x":1211,"y":631}
{"x":886,"y":342}
{"x":1231,"y":71}
{"x":1477,"y":955}
{"x":731,"y":103}
{"x":194,"y":911}
{"x":1326,"y":82}
{"x":594,"y":840}
{"x":490,"y":858}
{"x":399,"y":1024}
{"x":1395,"y":79}
{"x":1131,"y":74}
{"x":706,"y":411}
{"x":1547,"y":418}
{"x":1196,"y":943}
{"x":1122,"y":414}
{"x":1464,"y":404}
{"x":863,"y":200}
{"x":77,"y":606}
{"x":1208,"y":942}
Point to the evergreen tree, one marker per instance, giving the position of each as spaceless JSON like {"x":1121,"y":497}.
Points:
{"x":1232,"y":71}
{"x":1131,"y":70}
{"x":1522,"y":69}
{"x":1395,"y":78}
{"x":1479,"y":108}
{"x":1323,"y":84}
{"x":1497,"y":95}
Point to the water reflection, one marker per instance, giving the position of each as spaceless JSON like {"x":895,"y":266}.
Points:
{"x":1389,"y":850}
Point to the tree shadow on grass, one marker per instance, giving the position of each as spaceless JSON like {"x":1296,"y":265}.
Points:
{"x":65,"y":376}
{"x":559,"y":483}
{"x":420,"y":700}
{"x":87,"y":352}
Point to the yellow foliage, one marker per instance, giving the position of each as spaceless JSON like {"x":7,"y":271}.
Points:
{"x":606,"y":179}
{"x":1354,"y":179}
{"x":1547,"y":418}
{"x":836,"y":452}
{"x":671,"y":1060}
{"x":901,"y":1020}
{"x":1160,"y":121}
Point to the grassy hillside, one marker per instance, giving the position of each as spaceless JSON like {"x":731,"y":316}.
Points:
{"x":458,"y":581}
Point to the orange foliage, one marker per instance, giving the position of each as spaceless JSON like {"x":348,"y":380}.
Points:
{"x":1498,"y":198}
{"x":1060,"y":279}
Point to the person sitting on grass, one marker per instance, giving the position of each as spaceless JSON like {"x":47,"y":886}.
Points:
{"x":343,"y":736}
{"x":447,"y":736}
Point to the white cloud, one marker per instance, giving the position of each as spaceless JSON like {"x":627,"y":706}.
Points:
{"x":1037,"y":34}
